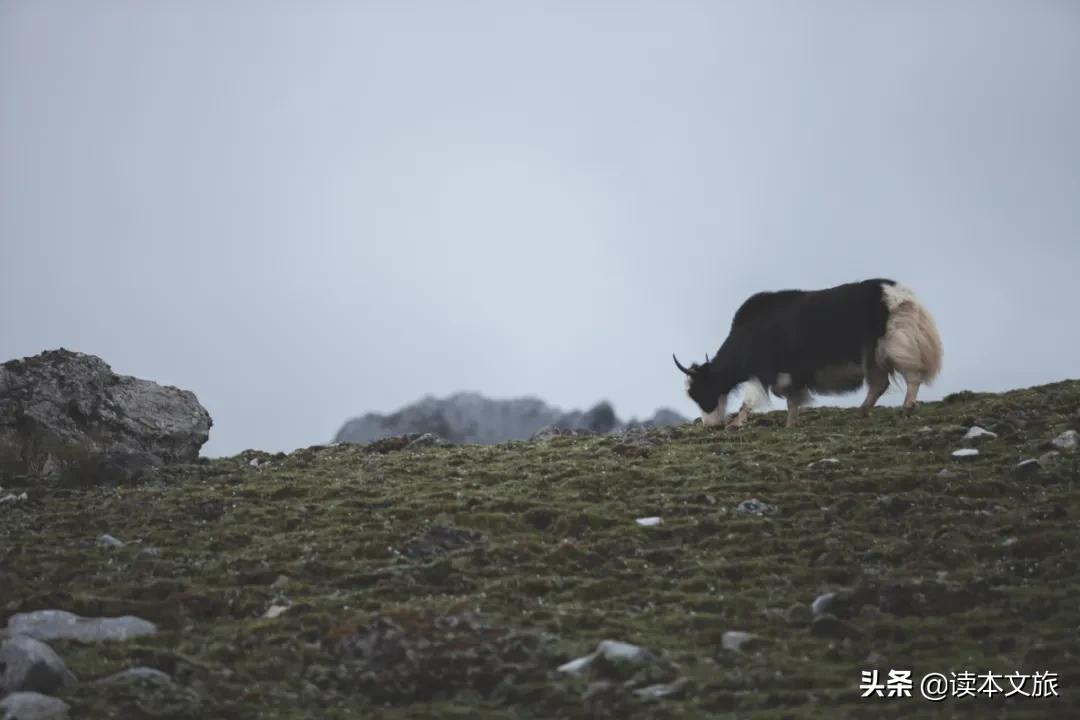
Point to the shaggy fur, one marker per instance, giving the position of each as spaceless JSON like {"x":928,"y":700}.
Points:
{"x":795,"y":343}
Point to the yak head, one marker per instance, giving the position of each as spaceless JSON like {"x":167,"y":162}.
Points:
{"x":706,"y":388}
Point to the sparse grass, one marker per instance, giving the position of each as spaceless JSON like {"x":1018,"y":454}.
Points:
{"x":974,"y":572}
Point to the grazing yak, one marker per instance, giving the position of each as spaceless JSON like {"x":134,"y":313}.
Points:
{"x":798,"y":342}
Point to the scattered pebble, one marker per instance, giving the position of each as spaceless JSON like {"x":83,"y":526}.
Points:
{"x":965,"y":453}
{"x":735,"y":639}
{"x":1007,"y":542}
{"x":110,"y":542}
{"x":977,"y":433}
{"x":60,"y":624}
{"x":138,"y":673}
{"x":275,"y":611}
{"x":649,"y":521}
{"x":32,"y":706}
{"x":12,"y":497}
{"x":1068,"y":440}
{"x":824,"y":461}
{"x":821,"y":603}
{"x":661,"y":689}
{"x":280,"y":583}
{"x":753,"y":506}
{"x":30,"y":665}
{"x":610,"y":650}
{"x":946,"y":473}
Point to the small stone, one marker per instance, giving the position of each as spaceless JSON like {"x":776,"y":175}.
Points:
{"x":1009,"y":542}
{"x":280,"y":583}
{"x":649,"y":521}
{"x":978,"y":433}
{"x":32,"y":706}
{"x":275,"y":611}
{"x":821,"y":604}
{"x":1027,"y":467}
{"x":60,"y":624}
{"x":946,"y":473}
{"x":610,"y":650}
{"x":753,"y":506}
{"x":735,"y":639}
{"x":138,"y":673}
{"x":30,"y":665}
{"x":110,"y":542}
{"x":1049,"y":458}
{"x":824,"y":461}
{"x":616,"y":651}
{"x":661,"y":689}
{"x":254,"y":462}
{"x":964,"y":453}
{"x":1068,"y":440}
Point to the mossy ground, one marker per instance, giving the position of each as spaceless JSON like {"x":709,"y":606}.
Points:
{"x":978,"y":571}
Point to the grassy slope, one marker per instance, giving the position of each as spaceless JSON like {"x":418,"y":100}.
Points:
{"x":562,"y":565}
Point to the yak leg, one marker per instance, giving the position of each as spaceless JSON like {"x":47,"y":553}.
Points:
{"x":740,"y":417}
{"x":912,"y":392}
{"x":877,"y":382}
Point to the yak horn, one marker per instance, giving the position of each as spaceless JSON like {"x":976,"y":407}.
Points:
{"x":679,"y":364}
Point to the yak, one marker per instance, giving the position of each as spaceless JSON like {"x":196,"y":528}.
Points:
{"x":798,"y":343}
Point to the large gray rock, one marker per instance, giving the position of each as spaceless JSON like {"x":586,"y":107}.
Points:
{"x":32,"y":706}
{"x":60,"y":624}
{"x":30,"y":665}
{"x":473,"y":418}
{"x":67,"y":413}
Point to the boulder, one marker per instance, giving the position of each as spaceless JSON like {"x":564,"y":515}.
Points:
{"x":67,"y":413}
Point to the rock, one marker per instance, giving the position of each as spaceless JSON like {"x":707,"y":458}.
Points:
{"x":649,"y":521}
{"x":1027,"y":467}
{"x":138,"y":674}
{"x":30,"y":665}
{"x":1068,"y":440}
{"x":661,"y":689}
{"x":610,"y":650}
{"x":964,"y":453}
{"x":60,"y":624}
{"x":12,"y":498}
{"x":275,"y":611}
{"x":946,"y":473}
{"x":110,"y":542}
{"x":68,"y":414}
{"x":280,"y":583}
{"x":821,"y":604}
{"x":32,"y":706}
{"x":824,"y":461}
{"x":735,"y":639}
{"x":753,"y":506}
{"x":1049,"y":458}
{"x":977,"y":433}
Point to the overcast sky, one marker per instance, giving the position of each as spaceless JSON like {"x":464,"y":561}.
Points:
{"x":304,"y":211}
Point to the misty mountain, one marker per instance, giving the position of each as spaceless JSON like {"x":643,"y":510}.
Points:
{"x":469,"y":417}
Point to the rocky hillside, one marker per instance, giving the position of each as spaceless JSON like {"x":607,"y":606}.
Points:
{"x":473,"y":418}
{"x":676,"y":572}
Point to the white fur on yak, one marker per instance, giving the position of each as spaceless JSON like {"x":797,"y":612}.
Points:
{"x":794,"y":343}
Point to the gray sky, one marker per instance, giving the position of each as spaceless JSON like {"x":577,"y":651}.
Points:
{"x":303,"y":211}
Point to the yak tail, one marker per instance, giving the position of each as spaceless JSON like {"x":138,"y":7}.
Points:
{"x":911,"y":346}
